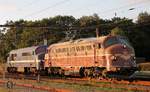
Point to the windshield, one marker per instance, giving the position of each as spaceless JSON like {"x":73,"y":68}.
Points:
{"x":116,"y":40}
{"x":125,"y":41}
{"x":111,"y":41}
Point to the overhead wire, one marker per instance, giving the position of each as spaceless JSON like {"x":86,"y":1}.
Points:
{"x":58,"y":3}
{"x":74,"y":28}
{"x":125,"y":6}
{"x":47,"y":8}
{"x":115,"y":9}
{"x":27,"y":5}
{"x":31,"y":3}
{"x":64,"y":1}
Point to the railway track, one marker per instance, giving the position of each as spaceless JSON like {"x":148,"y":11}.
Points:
{"x":124,"y":84}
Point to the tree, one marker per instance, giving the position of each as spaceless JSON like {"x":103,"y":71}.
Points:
{"x":118,"y":31}
{"x":143,"y":17}
{"x":19,"y":37}
{"x":89,"y":20}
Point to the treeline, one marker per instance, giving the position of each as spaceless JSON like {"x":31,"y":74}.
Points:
{"x":62,"y":28}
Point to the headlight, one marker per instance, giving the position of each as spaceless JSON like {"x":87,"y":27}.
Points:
{"x":113,"y":58}
{"x":134,"y":58}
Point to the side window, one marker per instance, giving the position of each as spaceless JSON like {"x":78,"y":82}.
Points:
{"x":77,"y":48}
{"x":88,"y":47}
{"x":97,"y":46}
{"x":26,"y":54}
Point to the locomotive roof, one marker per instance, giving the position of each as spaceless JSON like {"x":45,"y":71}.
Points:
{"x":81,"y":40}
{"x":27,"y":49}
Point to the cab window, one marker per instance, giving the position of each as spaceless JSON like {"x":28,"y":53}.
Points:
{"x":111,"y":41}
{"x":125,"y":41}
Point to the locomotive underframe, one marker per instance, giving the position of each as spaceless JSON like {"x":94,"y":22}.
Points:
{"x":31,"y":67}
{"x":94,"y":71}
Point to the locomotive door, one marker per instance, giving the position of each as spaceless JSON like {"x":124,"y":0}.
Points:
{"x":99,"y":57}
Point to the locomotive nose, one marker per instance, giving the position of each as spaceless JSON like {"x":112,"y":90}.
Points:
{"x":119,"y":49}
{"x":121,"y":55}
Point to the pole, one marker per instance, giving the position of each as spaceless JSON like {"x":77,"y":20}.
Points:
{"x":4,"y":70}
{"x":97,"y":32}
{"x":38,"y":76}
{"x":38,"y":70}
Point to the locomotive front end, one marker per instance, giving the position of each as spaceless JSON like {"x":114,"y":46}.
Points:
{"x":120,"y":55}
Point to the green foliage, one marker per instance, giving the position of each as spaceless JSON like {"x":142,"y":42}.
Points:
{"x":117,"y":31}
{"x":89,"y":20}
{"x":19,"y":37}
{"x":143,"y":17}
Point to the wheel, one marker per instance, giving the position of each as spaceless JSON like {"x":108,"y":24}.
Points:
{"x":27,"y":70}
{"x":8,"y":69}
{"x":81,"y":72}
{"x":15,"y":69}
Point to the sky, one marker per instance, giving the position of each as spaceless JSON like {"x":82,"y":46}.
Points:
{"x":38,"y":9}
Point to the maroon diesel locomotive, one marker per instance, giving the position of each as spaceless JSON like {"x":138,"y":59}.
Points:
{"x":91,"y":56}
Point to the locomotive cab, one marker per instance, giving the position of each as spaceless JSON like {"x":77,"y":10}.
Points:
{"x":119,"y":54}
{"x":29,"y":59}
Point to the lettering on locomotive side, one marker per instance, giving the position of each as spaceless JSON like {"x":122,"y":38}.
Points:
{"x":73,"y":49}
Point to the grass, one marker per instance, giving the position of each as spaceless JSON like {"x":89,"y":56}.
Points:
{"x":77,"y":87}
{"x":88,"y":86}
{"x":3,"y":90}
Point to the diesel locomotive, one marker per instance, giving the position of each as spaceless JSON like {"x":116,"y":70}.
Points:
{"x":85,"y":57}
{"x":91,"y":56}
{"x":26,"y":59}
